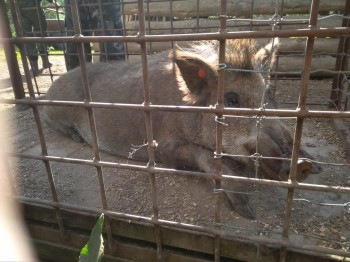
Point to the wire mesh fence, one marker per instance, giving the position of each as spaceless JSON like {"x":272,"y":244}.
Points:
{"x":291,"y":215}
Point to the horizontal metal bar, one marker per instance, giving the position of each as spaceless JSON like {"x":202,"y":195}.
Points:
{"x":307,"y":32}
{"x":194,"y":109}
{"x":167,"y":171}
{"x":186,"y":227}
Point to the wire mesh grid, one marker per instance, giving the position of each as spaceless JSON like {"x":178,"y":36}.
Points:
{"x":275,"y":24}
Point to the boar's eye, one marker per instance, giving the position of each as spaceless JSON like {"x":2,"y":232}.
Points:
{"x":231,"y":99}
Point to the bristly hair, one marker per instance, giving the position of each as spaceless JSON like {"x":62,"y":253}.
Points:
{"x":240,"y":53}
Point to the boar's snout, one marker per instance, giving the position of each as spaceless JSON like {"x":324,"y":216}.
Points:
{"x":304,"y":169}
{"x":276,"y":143}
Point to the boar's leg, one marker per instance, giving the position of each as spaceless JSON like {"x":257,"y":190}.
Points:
{"x":200,"y":158}
{"x":316,"y":168}
{"x":236,"y":198}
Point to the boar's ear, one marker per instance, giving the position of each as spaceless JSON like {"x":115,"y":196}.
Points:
{"x":198,"y":74}
{"x":265,"y":57}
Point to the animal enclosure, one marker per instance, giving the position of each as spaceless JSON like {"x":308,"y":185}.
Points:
{"x":158,"y":213}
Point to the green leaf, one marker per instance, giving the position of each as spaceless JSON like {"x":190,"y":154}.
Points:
{"x":93,"y":250}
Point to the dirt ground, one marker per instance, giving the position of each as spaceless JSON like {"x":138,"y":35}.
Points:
{"x":312,"y":222}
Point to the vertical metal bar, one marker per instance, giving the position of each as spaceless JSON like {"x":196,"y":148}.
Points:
{"x":10,"y":54}
{"x":124,"y":27}
{"x":61,"y":30}
{"x":36,"y":114}
{"x":19,"y":31}
{"x":171,"y":21}
{"x":149,"y":130}
{"x":37,"y":7}
{"x":197,"y":16}
{"x":341,"y":63}
{"x":219,"y":126}
{"x":251,"y":15}
{"x":149,"y":27}
{"x":87,"y":94}
{"x":281,"y":14}
{"x":21,"y":46}
{"x":299,"y":125}
{"x":102,"y":28}
{"x":42,"y":34}
{"x":277,"y":55}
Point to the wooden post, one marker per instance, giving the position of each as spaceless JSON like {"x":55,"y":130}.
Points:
{"x":10,"y":54}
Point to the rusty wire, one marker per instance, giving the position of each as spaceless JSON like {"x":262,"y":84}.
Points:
{"x":165,"y":171}
{"x":301,"y":112}
{"x":283,"y":113}
{"x":38,"y":121}
{"x":299,"y":125}
{"x":149,"y":133}
{"x":18,"y":24}
{"x":219,"y":126}
{"x":92,"y":123}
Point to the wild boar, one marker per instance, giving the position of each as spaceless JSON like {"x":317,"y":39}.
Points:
{"x":185,"y":140}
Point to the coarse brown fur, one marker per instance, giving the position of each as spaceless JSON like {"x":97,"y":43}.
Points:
{"x":185,"y":140}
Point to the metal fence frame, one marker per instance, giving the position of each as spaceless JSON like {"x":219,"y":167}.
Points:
{"x":300,"y":113}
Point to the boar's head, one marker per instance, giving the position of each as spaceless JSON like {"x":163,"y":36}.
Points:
{"x":244,"y":88}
